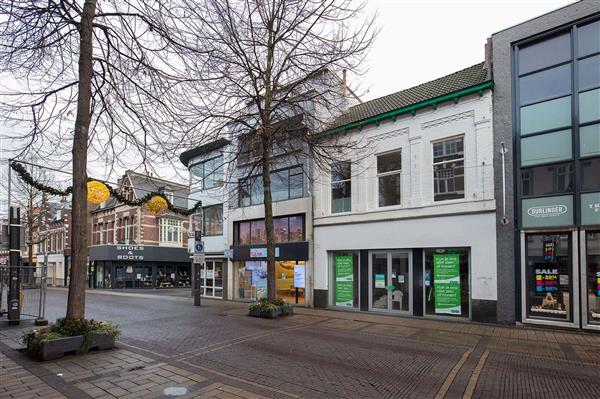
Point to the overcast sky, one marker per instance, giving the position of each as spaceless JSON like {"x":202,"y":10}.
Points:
{"x":421,"y":40}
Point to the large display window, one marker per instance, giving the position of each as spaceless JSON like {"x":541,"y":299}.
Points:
{"x":446,"y":279}
{"x":345,"y":279}
{"x":250,"y":281}
{"x":592,"y":257}
{"x":548,"y":276}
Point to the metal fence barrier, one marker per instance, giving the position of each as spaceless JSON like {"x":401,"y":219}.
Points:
{"x":32,"y":293}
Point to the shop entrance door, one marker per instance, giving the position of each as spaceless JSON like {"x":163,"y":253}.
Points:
{"x":211,"y":277}
{"x":390,"y":276}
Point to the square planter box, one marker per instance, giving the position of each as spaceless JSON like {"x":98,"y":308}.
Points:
{"x":273,"y":314}
{"x":57,"y":348}
{"x":288,"y":312}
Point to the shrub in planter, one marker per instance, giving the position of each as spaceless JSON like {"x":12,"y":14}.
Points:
{"x":286,"y":307}
{"x":67,"y":336}
{"x":270,"y":309}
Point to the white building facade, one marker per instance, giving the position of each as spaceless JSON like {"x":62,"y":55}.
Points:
{"x":407,"y":225}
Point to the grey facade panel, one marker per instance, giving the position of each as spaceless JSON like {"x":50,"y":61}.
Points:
{"x":507,"y":247}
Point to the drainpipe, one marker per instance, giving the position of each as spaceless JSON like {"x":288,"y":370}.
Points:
{"x":503,"y":151}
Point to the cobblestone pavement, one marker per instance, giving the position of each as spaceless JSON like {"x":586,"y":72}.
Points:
{"x":170,"y":348}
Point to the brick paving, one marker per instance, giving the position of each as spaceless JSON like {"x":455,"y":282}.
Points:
{"x":170,"y":348}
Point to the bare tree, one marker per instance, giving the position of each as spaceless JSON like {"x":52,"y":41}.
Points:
{"x":271,"y":70}
{"x":105,"y":78}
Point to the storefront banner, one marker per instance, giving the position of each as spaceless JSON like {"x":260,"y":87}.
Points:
{"x":262,"y":252}
{"x":299,"y":276}
{"x":547,"y":211}
{"x":590,"y":209}
{"x":380,"y":281}
{"x":446,"y":280}
{"x":344,"y":281}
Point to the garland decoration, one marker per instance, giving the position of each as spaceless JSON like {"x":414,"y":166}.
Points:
{"x":27,"y":178}
{"x":97,"y":192}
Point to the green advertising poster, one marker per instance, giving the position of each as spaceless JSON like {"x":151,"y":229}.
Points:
{"x":446,"y":278}
{"x":344,"y":281}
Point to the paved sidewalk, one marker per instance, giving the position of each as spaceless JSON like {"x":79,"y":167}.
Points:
{"x":171,"y":348}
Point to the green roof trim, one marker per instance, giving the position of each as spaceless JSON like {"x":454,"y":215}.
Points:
{"x":377,"y":119}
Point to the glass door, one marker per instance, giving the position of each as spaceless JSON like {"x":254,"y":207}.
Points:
{"x":389,"y":281}
{"x":211,"y":278}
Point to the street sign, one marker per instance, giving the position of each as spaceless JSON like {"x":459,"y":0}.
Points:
{"x":199,"y":248}
{"x":199,"y":258}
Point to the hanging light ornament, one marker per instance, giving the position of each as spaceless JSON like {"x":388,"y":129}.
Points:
{"x":97,"y":192}
{"x":157,"y":204}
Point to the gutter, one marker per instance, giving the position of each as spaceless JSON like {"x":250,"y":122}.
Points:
{"x":411,"y":108}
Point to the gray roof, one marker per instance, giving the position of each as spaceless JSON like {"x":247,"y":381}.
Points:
{"x":464,"y":79}
{"x":144,"y":184}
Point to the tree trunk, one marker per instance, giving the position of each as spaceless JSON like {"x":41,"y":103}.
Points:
{"x":76,"y":299}
{"x":268,"y":203}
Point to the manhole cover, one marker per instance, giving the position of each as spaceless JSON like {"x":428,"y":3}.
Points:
{"x":175,"y":391}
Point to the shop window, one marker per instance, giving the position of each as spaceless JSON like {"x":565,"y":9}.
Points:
{"x":208,"y":174}
{"x":389,"y":173}
{"x":589,"y":73}
{"x":213,"y":220}
{"x":170,"y":232}
{"x":250,"y":280}
{"x":589,"y":140}
{"x":545,"y":116}
{"x":165,"y":276}
{"x":282,"y":229}
{"x":184,"y":276}
{"x":592,"y":254}
{"x":449,"y":169}
{"x":590,"y":174}
{"x":296,"y":228}
{"x":341,"y":187}
{"x":290,"y":283}
{"x":548,"y":276}
{"x":545,"y":85}
{"x":345,"y":269}
{"x":544,"y":53}
{"x":589,"y":38}
{"x":543,"y":180}
{"x":589,"y":106}
{"x":447,"y":282}
{"x":546,"y":148}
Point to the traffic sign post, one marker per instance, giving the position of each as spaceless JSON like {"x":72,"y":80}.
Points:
{"x":198,"y":260}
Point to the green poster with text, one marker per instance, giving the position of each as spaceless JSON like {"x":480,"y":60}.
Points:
{"x":446,"y":278}
{"x":344,"y":281}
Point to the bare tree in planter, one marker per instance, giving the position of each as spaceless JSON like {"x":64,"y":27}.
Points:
{"x":98,"y":77}
{"x":271,"y":70}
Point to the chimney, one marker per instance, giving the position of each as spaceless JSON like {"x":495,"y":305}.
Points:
{"x":344,"y":82}
{"x":488,"y":58}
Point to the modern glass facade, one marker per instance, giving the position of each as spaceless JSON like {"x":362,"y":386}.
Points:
{"x":556,"y":92}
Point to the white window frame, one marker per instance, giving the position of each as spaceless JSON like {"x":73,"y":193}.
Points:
{"x":433,"y":165}
{"x":390,"y":173}
{"x":170,"y":232}
{"x":340,"y":181}
{"x":101,"y":233}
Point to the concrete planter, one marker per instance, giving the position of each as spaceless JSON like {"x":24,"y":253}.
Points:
{"x":273,"y":314}
{"x":57,"y":348}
